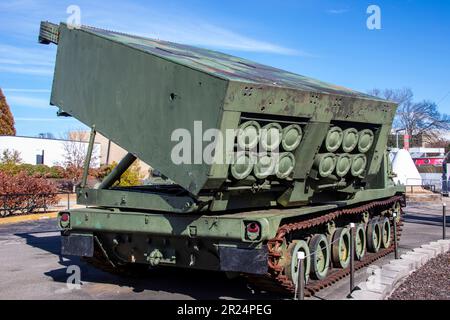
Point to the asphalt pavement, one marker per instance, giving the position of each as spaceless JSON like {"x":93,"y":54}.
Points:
{"x":31,"y":268}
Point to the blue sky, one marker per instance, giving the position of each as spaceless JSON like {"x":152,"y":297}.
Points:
{"x":323,"y":39}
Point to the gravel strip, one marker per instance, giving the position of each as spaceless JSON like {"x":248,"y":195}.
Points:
{"x":430,"y":282}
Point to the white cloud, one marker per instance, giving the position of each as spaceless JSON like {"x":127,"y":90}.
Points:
{"x":25,"y":60}
{"x":216,"y":37}
{"x":176,"y":25}
{"x":26,"y":70}
{"x":42,"y":119}
{"x":17,"y":4}
{"x":193,"y":31}
{"x":26,"y":90}
{"x":33,"y":55}
{"x":9,"y":61}
{"x":29,"y":102}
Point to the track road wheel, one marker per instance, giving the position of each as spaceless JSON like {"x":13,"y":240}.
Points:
{"x":385,"y":227}
{"x":340,"y":249}
{"x":292,"y":269}
{"x":373,"y":235}
{"x":320,"y":256}
{"x":360,"y":241}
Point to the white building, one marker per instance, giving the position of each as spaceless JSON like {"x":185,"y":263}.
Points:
{"x":50,"y":152}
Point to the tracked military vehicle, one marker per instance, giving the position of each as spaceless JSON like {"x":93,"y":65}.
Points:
{"x":325,"y":162}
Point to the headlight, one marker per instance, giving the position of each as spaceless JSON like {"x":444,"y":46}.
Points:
{"x":252,"y":230}
{"x":64,"y":219}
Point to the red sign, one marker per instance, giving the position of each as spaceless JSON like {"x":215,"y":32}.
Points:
{"x":429,"y":161}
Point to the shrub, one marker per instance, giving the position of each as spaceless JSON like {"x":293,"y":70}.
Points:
{"x":131,"y":177}
{"x":39,"y":170}
{"x":22,"y":193}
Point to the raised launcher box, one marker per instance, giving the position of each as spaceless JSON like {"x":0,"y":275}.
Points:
{"x":138,"y":92}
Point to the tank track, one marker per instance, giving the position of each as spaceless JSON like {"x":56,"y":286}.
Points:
{"x":276,"y":281}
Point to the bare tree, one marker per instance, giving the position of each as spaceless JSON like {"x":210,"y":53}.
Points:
{"x":417,"y":118}
{"x":10,"y":157}
{"x":440,"y":142}
{"x":75,"y":151}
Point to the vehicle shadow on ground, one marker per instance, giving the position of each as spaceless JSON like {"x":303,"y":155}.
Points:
{"x":49,"y":243}
{"x":195,"y":284}
{"x":190,"y":283}
{"x":432,"y":220}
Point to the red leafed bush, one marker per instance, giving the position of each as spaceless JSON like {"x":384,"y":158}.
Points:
{"x":22,"y":194}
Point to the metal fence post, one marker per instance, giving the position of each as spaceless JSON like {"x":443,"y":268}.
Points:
{"x":300,"y":288}
{"x":28,"y":202}
{"x":4,"y":205}
{"x":444,"y":220}
{"x":352,"y":257}
{"x":394,"y":215}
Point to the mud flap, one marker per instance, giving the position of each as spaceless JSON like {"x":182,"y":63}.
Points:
{"x":253,"y":261}
{"x":81,"y":245}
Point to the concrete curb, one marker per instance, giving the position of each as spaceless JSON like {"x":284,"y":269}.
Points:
{"x":28,"y":217}
{"x":383,"y":281}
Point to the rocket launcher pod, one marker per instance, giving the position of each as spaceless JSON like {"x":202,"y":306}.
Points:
{"x":160,"y":100}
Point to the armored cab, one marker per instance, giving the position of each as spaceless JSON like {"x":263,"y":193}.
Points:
{"x":251,"y":149}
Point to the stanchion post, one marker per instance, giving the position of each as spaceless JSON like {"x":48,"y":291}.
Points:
{"x":300,"y":288}
{"x":68,"y":201}
{"x":394,"y":222}
{"x":352,"y":257}
{"x":444,"y":220}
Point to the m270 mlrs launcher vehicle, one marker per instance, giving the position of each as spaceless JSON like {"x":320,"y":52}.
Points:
{"x":325,"y":162}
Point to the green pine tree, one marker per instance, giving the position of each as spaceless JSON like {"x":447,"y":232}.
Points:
{"x":6,"y":118}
